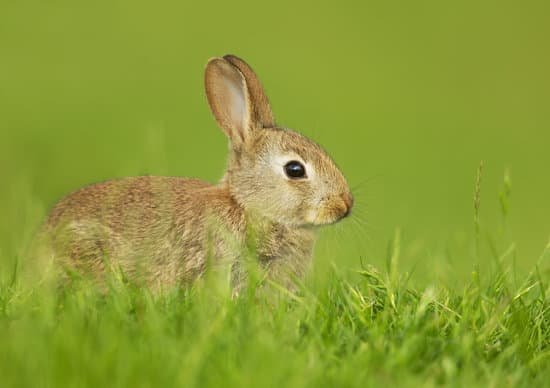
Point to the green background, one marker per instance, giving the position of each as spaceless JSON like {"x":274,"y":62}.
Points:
{"x":408,"y":97}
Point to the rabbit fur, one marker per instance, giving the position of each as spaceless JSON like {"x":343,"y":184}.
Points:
{"x":166,"y":231}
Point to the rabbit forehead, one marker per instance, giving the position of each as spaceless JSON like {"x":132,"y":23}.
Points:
{"x":308,"y":152}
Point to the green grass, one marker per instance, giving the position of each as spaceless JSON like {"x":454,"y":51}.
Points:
{"x":353,"y":328}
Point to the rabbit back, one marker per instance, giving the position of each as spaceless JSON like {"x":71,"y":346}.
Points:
{"x":157,"y":230}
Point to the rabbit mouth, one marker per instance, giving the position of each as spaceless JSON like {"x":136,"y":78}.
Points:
{"x":333,"y":212}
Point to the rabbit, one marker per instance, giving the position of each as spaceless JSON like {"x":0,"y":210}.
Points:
{"x":278,"y":189}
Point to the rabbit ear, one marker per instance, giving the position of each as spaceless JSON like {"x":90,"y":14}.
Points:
{"x":262,"y":116}
{"x":236,"y":97}
{"x":228,"y":98}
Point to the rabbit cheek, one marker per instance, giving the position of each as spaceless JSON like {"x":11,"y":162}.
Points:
{"x":311,"y":217}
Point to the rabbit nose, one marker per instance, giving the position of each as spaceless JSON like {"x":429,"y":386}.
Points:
{"x":348,"y":201}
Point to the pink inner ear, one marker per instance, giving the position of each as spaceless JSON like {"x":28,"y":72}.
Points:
{"x":237,"y":105}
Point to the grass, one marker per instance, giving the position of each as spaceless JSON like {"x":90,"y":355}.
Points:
{"x":355,"y":328}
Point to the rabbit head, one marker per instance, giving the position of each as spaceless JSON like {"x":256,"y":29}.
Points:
{"x":272,"y":172}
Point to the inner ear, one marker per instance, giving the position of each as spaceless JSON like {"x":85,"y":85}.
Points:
{"x":237,"y":105}
{"x":228,"y":98}
{"x":262,"y":116}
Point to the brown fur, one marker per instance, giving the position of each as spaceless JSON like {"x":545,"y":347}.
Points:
{"x":165,"y":231}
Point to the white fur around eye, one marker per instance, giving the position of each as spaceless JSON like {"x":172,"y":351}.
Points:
{"x":278,"y":163}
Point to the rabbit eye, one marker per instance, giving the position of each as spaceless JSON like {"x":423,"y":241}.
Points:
{"x":295,"y":170}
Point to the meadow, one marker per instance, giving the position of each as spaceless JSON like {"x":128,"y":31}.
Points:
{"x":441,"y":276}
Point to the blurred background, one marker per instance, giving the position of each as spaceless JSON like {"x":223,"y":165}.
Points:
{"x":408,"y":97}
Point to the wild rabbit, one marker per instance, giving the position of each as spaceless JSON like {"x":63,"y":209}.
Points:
{"x":165,"y":231}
